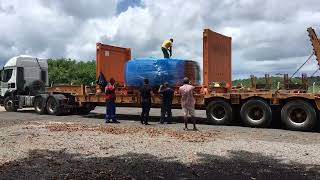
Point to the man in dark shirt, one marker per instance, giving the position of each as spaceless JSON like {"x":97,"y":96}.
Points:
{"x":146,"y":95}
{"x":167,"y":94}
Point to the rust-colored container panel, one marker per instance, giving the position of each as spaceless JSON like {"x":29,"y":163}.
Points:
{"x":111,"y":61}
{"x":216,"y":58}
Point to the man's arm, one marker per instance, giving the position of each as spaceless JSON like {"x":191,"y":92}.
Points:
{"x":170,"y":51}
{"x":193,"y":90}
{"x":152,"y":96}
{"x":105,"y":89}
{"x":160,"y":89}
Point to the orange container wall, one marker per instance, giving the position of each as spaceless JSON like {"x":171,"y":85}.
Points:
{"x":216,"y":58}
{"x":111,"y":61}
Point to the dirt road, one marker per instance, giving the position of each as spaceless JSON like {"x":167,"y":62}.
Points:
{"x":83,"y":147}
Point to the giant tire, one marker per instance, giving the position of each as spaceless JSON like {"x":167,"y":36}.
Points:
{"x":256,"y":113}
{"x":219,"y":112}
{"x":40,"y":105}
{"x":9,"y":104}
{"x":299,"y":115}
{"x":53,"y":106}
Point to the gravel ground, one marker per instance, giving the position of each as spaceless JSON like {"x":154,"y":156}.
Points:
{"x":83,"y":147}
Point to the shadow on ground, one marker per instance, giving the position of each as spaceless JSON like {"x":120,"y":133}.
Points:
{"x":137,"y":118}
{"x":130,"y":117}
{"x":45,"y":164}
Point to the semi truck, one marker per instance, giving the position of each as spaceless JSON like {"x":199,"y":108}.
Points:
{"x":24,"y":79}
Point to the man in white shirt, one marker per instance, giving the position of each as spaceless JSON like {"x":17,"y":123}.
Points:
{"x":188,"y":102}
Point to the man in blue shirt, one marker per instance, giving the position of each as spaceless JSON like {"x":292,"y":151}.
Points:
{"x":167,"y":94}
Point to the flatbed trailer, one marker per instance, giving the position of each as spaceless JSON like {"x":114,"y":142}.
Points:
{"x":256,"y":105}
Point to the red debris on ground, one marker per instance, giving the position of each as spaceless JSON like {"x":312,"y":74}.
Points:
{"x":189,"y":136}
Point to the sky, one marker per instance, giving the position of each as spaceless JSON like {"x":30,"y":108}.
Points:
{"x":267,"y":36}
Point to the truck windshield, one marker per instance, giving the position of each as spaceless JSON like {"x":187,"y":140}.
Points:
{"x":6,"y":75}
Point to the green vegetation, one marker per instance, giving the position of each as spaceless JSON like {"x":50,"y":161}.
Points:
{"x":276,"y":79}
{"x":68,"y":71}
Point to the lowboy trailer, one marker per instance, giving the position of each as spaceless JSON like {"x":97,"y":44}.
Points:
{"x":255,"y":105}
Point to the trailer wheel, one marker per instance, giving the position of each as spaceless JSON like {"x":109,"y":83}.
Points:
{"x":219,"y":112}
{"x":9,"y":104}
{"x":53,"y":106}
{"x":40,"y":105}
{"x":256,"y":113}
{"x":299,"y":115}
{"x":84,"y":110}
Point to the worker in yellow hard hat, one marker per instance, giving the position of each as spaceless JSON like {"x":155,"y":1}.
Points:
{"x":167,"y":46}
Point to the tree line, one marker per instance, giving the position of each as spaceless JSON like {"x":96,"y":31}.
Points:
{"x":275,"y":80}
{"x":70,"y":71}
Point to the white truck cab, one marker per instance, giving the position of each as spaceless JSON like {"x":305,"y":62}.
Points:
{"x":24,"y":76}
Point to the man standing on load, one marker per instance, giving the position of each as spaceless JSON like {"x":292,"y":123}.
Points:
{"x":167,"y":46}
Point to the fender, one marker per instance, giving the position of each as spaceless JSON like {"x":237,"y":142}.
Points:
{"x":45,"y":96}
{"x":10,"y":93}
{"x":1,"y":100}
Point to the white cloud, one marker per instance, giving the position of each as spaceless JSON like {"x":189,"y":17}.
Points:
{"x":268,"y":36}
{"x":46,"y":29}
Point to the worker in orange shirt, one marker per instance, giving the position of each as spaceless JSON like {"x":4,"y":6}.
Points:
{"x":167,"y":46}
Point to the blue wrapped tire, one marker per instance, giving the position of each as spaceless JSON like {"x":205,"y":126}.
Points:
{"x":159,"y":71}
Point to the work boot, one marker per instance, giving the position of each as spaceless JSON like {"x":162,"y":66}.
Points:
{"x":115,"y":121}
{"x":146,"y":121}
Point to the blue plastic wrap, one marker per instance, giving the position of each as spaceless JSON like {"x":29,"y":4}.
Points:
{"x":159,"y":71}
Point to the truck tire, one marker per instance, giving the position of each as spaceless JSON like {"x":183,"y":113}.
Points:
{"x":299,"y":115}
{"x":53,"y":106}
{"x":256,"y":113}
{"x":40,"y":105}
{"x":9,"y":104}
{"x":219,"y":112}
{"x":85,"y":110}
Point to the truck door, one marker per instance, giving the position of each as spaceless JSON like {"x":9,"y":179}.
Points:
{"x":20,"y":79}
{"x":8,"y":80}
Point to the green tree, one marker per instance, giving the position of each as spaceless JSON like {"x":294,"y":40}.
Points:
{"x":67,"y":71}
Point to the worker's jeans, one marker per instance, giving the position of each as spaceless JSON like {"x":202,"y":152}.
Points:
{"x":166,"y":110}
{"x":146,"y":106}
{"x":110,"y":110}
{"x":165,"y":52}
